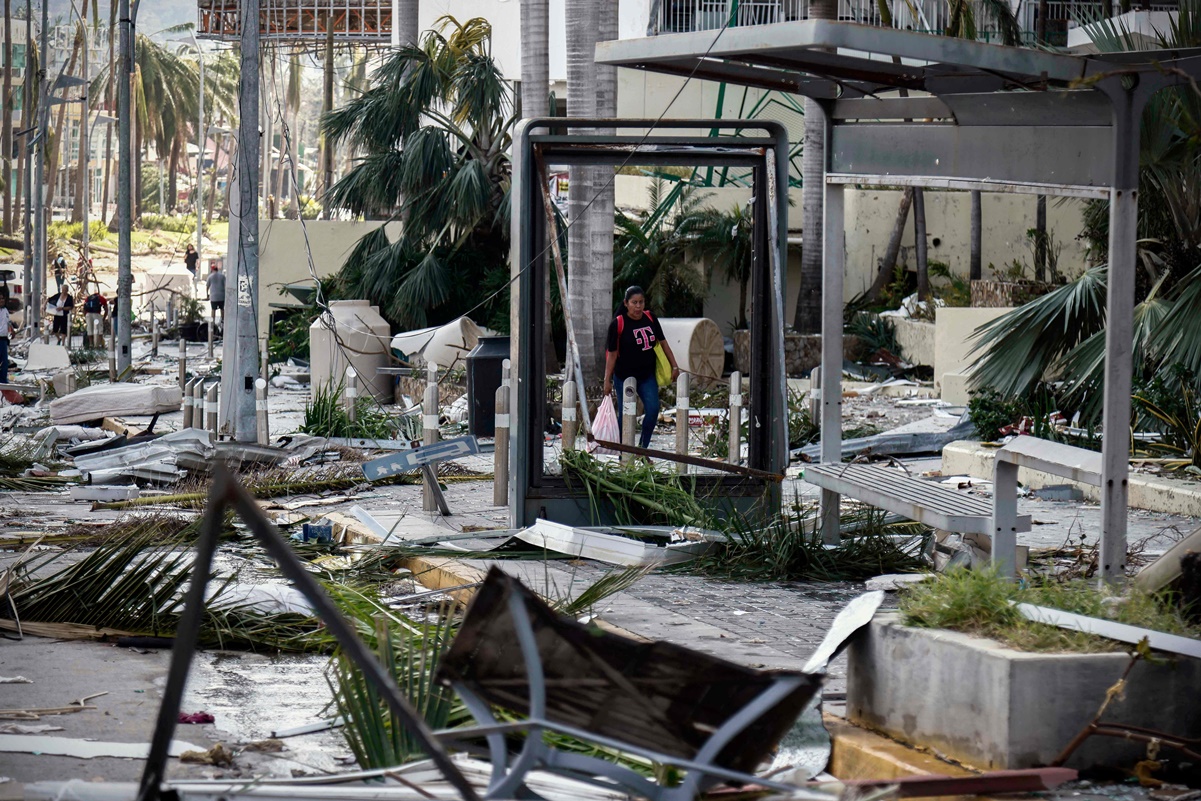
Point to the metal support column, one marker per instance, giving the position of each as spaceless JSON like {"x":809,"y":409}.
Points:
{"x":1119,"y":326}
{"x":122,"y":315}
{"x":831,"y":366}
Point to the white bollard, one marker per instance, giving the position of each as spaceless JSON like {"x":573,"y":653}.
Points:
{"x":153,"y":332}
{"x":682,"y":410}
{"x":351,"y":394}
{"x":265,"y":362}
{"x":212,"y":324}
{"x":815,"y":395}
{"x":183,"y":363}
{"x":260,"y":411}
{"x":506,"y":369}
{"x":210,"y":408}
{"x":112,"y":358}
{"x":500,"y":459}
{"x":570,"y":425}
{"x":430,"y":435}
{"x":198,"y":390}
{"x":187,"y":404}
{"x":629,"y":415}
{"x":431,"y":372}
{"x":735,"y":417}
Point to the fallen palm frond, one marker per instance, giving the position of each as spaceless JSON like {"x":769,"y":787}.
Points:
{"x":410,"y":654}
{"x":791,"y":549}
{"x":134,"y":584}
{"x":639,"y":493}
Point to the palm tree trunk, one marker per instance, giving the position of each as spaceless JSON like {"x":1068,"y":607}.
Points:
{"x":808,"y":316}
{"x":889,"y":262}
{"x":84,"y":117}
{"x":6,"y":132}
{"x":535,"y":102}
{"x":109,"y":105}
{"x":977,"y":229}
{"x":55,"y":151}
{"x":582,"y":29}
{"x":172,"y":179}
{"x":602,"y":226}
{"x":919,"y":235}
{"x":408,"y":25}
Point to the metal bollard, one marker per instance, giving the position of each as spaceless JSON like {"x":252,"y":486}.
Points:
{"x":112,"y":356}
{"x":735,"y":417}
{"x":187,"y":403}
{"x":183,"y":363}
{"x":212,"y":324}
{"x":815,"y":394}
{"x":629,"y":415}
{"x":265,"y":363}
{"x":570,"y":426}
{"x":210,"y":408}
{"x":430,"y":436}
{"x":153,"y":332}
{"x":198,"y":390}
{"x":260,"y":411}
{"x":682,"y":409}
{"x":351,"y":394}
{"x":500,"y":459}
{"x":431,"y":372}
{"x":72,"y":382}
{"x":506,"y":369}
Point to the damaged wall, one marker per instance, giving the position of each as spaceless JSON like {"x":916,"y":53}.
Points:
{"x":283,"y":258}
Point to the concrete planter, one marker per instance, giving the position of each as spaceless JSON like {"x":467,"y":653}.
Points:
{"x":992,"y":707}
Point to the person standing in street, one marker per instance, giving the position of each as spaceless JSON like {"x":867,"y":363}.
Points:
{"x":95,"y":310}
{"x":630,"y":353}
{"x":6,"y":331}
{"x":63,"y":306}
{"x":216,"y":290}
{"x":190,"y":259}
{"x":60,"y":270}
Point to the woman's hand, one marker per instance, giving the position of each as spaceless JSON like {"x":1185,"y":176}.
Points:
{"x":675,"y":372}
{"x":607,"y":387}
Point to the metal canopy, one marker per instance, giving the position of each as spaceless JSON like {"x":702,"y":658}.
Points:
{"x":994,"y":118}
{"x":761,"y":145}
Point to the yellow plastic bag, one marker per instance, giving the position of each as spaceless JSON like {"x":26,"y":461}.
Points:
{"x":662,"y":366}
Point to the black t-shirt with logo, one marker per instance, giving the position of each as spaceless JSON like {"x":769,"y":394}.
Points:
{"x":636,"y":350}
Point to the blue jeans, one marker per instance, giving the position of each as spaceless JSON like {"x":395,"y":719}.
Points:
{"x":648,"y":391}
{"x":3,"y":360}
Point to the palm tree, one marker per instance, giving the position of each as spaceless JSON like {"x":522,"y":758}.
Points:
{"x":725,"y":238}
{"x":583,"y":28}
{"x":653,"y":251}
{"x":1063,"y":332}
{"x":434,"y":131}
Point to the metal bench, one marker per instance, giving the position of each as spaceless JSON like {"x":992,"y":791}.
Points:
{"x":714,"y":719}
{"x":924,"y":501}
{"x":1032,"y":453}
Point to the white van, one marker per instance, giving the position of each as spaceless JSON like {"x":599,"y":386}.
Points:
{"x":11,"y":277}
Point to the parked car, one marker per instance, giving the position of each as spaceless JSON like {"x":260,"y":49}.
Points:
{"x":11,"y":278}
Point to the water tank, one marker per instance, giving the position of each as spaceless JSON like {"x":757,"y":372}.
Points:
{"x":353,"y":334}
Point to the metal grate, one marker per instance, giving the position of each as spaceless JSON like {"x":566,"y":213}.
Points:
{"x":300,"y":20}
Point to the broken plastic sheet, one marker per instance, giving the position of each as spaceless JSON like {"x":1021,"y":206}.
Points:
{"x":611,"y":545}
{"x":82,"y":749}
{"x":443,"y":345}
{"x":114,"y":400}
{"x":158,"y":460}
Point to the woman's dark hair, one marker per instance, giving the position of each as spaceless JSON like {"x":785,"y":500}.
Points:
{"x":190,"y":247}
{"x":630,"y":292}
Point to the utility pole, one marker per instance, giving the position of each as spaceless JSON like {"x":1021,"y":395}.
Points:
{"x":124,"y":198}
{"x":83,"y":192}
{"x":26,"y":120}
{"x":33,"y":312}
{"x":240,"y":355}
{"x":201,"y":139}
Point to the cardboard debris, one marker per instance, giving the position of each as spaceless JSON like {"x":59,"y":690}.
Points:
{"x":110,"y":400}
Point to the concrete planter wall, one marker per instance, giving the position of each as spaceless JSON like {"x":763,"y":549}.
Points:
{"x":993,"y":707}
{"x":916,"y":338}
{"x":991,"y":294}
{"x":802,"y":352}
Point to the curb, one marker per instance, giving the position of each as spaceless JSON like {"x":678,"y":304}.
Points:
{"x":1152,"y":493}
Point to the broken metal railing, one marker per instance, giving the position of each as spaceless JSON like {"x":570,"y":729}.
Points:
{"x":227,"y":493}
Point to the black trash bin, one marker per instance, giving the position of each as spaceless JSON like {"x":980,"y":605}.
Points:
{"x":484,"y":365}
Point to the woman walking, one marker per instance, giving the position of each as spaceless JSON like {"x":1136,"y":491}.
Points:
{"x":62,"y":306}
{"x":190,"y":259}
{"x":630,"y":353}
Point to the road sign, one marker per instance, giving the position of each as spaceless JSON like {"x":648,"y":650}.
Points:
{"x":405,"y":461}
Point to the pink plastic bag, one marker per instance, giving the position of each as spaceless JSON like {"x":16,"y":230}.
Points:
{"x":605,"y":427}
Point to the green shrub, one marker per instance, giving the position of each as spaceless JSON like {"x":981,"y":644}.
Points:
{"x":326,"y":416}
{"x":989,"y":412}
{"x":63,"y":230}
{"x":310,"y":209}
{"x":175,"y":224}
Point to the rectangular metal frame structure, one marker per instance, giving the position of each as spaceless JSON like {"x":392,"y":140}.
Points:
{"x":1001,"y":118}
{"x":361,"y":21}
{"x":533,"y":494}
